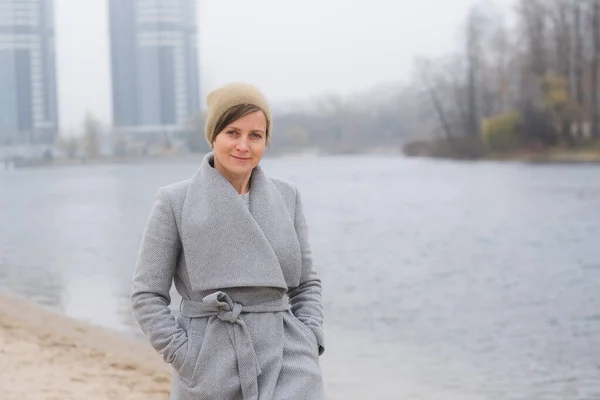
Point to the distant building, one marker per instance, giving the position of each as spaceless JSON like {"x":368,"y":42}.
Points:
{"x":154,"y":66}
{"x":28,"y":103}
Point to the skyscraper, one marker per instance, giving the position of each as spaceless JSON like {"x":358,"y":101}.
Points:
{"x":154,"y":65}
{"x":28,"y":104}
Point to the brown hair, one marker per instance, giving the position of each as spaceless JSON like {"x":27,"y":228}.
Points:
{"x":232,"y":115}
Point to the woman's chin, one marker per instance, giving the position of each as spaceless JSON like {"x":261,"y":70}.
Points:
{"x":240,"y":169}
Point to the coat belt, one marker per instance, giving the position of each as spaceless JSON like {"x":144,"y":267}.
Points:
{"x":219,"y":304}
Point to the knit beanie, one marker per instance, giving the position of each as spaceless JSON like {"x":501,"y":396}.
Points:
{"x":231,"y":95}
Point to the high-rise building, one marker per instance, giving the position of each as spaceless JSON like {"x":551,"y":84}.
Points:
{"x":154,"y":65}
{"x":28,"y":103}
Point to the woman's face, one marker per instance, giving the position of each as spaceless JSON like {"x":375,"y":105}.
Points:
{"x":239,"y":147}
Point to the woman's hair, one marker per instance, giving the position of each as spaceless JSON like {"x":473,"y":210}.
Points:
{"x":233,"y":114}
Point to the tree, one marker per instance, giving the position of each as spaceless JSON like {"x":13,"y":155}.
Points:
{"x":431,"y":89}
{"x":473,"y":49}
{"x":91,"y":136}
{"x":594,"y":71}
{"x":562,"y":32}
{"x":69,"y":145}
{"x":579,"y":62}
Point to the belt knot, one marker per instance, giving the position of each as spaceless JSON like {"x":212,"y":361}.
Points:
{"x":229,"y":315}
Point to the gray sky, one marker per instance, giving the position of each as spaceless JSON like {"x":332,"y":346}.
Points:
{"x":293,"y":50}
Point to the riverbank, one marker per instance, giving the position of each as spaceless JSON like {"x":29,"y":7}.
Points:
{"x":57,"y":163}
{"x":185,"y":158}
{"x":552,"y":156}
{"x":468,"y":149}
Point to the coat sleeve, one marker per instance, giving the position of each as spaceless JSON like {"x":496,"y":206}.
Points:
{"x":152,"y":280}
{"x":306,"y":298}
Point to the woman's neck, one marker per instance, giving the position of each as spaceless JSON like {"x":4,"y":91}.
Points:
{"x":241,"y":183}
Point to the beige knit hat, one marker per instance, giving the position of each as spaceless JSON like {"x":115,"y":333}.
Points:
{"x":231,"y":95}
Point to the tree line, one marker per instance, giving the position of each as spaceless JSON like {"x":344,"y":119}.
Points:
{"x":532,"y":83}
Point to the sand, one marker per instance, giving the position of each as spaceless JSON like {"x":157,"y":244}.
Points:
{"x":44,"y":355}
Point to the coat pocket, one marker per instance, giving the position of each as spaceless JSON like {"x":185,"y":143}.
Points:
{"x":196,"y":328}
{"x":306,"y":332}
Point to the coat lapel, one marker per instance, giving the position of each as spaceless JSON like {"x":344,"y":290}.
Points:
{"x":227,"y":245}
{"x":273,"y":217}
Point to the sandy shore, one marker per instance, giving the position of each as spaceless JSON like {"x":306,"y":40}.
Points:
{"x":44,"y":355}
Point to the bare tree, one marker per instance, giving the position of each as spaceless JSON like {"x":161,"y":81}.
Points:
{"x":429,"y":84}
{"x":579,"y":88}
{"x":534,"y":21}
{"x":594,"y":66}
{"x":559,"y":15}
{"x":500,"y":66}
{"x":473,"y":49}
{"x":558,"y":12}
{"x":92,"y":130}
{"x":454,"y":71}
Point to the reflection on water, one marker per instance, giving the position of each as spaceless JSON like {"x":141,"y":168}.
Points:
{"x":475,"y":279}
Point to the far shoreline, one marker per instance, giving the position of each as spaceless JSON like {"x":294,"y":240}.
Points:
{"x":465,"y":150}
{"x":191,"y":157}
{"x":423,"y":149}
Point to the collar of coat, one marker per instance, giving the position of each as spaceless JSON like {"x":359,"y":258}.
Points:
{"x":228,"y":245}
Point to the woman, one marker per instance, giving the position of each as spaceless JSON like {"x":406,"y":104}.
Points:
{"x":235,"y":243}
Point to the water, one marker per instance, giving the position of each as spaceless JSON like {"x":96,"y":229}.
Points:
{"x":473,"y":280}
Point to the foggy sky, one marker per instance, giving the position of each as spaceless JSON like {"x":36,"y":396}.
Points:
{"x":293,"y":50}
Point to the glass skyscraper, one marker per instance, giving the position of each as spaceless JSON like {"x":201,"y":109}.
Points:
{"x":154,"y":65}
{"x":28,"y":103}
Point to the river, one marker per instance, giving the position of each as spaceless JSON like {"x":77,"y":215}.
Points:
{"x":441,"y":279}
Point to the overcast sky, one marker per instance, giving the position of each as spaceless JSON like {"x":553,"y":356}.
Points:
{"x":292,"y":50}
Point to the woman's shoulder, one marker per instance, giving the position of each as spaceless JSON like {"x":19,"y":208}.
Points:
{"x":174,"y":195}
{"x":175,"y":191}
{"x":289,"y":192}
{"x":287,"y":188}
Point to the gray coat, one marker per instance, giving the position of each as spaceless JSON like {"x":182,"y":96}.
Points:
{"x":250,"y":322}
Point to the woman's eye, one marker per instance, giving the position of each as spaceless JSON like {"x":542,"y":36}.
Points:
{"x":257,"y":135}
{"x":231,"y":132}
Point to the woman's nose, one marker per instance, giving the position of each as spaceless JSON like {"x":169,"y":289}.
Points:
{"x":242,"y":144}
